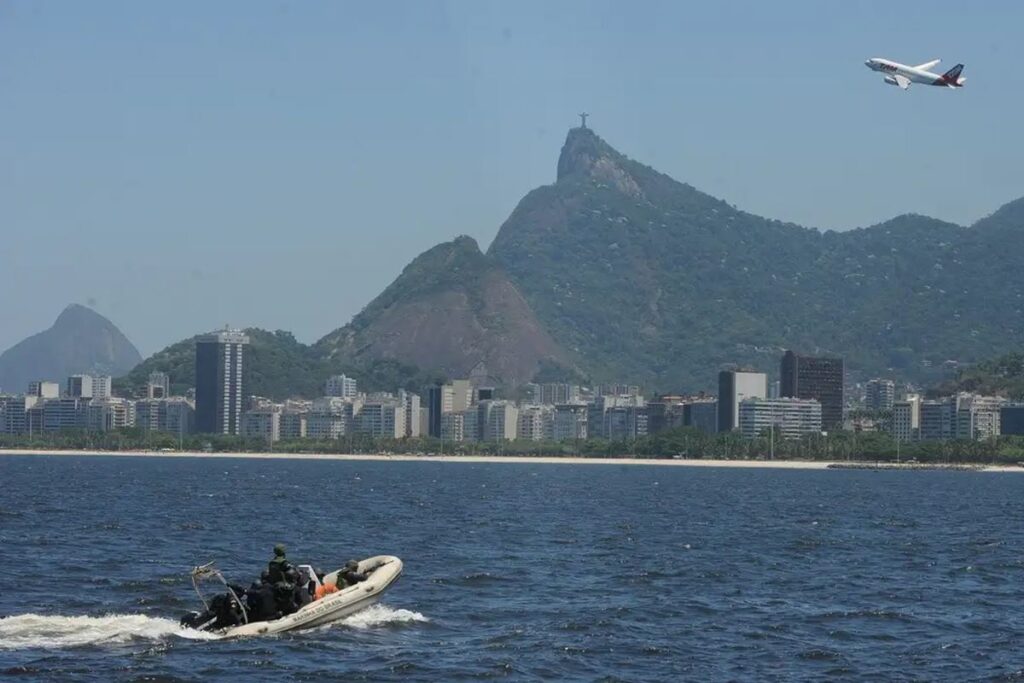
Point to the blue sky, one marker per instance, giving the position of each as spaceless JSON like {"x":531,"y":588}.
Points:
{"x":182,"y":165}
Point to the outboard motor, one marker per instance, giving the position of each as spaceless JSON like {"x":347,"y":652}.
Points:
{"x":198,"y":620}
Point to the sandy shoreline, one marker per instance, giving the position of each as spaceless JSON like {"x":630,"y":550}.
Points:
{"x":539,"y":460}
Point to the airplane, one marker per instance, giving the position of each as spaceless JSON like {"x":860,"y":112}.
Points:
{"x":903,"y":75}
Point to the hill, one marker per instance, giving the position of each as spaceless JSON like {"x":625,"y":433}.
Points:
{"x":276,"y":366}
{"x":651,"y":280}
{"x":452,"y":310}
{"x":80,"y":341}
{"x":1002,"y":376}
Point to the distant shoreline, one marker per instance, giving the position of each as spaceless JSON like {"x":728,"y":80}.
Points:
{"x":539,"y":460}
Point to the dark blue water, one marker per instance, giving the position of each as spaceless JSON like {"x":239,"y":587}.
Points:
{"x":570,"y":572}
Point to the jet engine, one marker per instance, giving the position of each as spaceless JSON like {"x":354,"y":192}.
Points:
{"x":890,"y":80}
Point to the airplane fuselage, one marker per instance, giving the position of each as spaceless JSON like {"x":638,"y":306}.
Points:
{"x":896,"y":72}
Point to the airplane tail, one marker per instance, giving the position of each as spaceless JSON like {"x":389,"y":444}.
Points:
{"x":952,"y":77}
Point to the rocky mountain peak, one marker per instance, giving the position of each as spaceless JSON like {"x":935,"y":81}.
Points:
{"x":586,"y":155}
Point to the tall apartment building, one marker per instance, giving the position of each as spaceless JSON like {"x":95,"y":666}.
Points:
{"x":978,"y":417}
{"x":64,"y":413}
{"x":569,"y":422}
{"x":341,"y":386}
{"x":790,"y":418}
{"x":453,"y":397}
{"x":219,"y":379}
{"x":535,"y":423}
{"x":498,"y":420}
{"x":625,"y":422}
{"x":880,"y":395}
{"x":735,"y":386}
{"x":906,"y":418}
{"x":15,"y":414}
{"x":453,"y":426}
{"x":411,"y":402}
{"x":815,"y":377}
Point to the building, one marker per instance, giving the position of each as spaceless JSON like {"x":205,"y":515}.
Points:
{"x":555,"y":393}
{"x":735,"y":386}
{"x":64,"y":413}
{"x":1011,"y":419}
{"x":819,"y":378}
{"x":330,"y":418}
{"x":341,"y":386}
{"x":977,"y":417}
{"x":569,"y":422}
{"x":453,"y":426}
{"x":453,"y":397}
{"x":618,"y":390}
{"x":158,"y":385}
{"x":789,"y":418}
{"x":15,"y":414}
{"x":411,"y":402}
{"x":88,"y":386}
{"x":175,"y":415}
{"x":536,"y":423}
{"x":219,"y":379}
{"x":664,"y":413}
{"x":262,"y":423}
{"x":106,"y":414}
{"x":936,"y":420}
{"x":906,"y":418}
{"x":382,"y":418}
{"x":498,"y":420}
{"x":625,"y":422}
{"x":44,"y":389}
{"x":702,"y":415}
{"x":293,"y":423}
{"x":880,"y":395}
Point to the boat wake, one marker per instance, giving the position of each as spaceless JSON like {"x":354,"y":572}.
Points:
{"x":24,"y":631}
{"x":381,"y":615}
{"x":37,"y":631}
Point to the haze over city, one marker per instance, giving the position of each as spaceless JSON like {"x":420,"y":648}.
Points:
{"x":277,"y":164}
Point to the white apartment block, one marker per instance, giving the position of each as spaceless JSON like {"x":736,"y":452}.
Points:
{"x":341,"y":386}
{"x":790,"y":418}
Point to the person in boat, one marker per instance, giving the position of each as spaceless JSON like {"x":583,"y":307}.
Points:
{"x":279,"y":565}
{"x":350,"y":575}
{"x":260,"y":599}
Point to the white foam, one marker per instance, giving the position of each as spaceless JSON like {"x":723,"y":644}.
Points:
{"x":38,"y":631}
{"x":381,"y":615}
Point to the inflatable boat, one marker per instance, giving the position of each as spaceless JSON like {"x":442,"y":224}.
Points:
{"x":381,"y":572}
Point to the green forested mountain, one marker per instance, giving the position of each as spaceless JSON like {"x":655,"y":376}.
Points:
{"x":649,"y":279}
{"x":1003,"y":376}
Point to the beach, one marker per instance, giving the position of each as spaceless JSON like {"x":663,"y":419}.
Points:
{"x":538,"y":460}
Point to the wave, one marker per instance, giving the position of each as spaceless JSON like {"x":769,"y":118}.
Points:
{"x":381,"y":615}
{"x":24,"y":631}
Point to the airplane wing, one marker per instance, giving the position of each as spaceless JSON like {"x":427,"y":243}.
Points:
{"x":902,"y":81}
{"x":928,"y":65}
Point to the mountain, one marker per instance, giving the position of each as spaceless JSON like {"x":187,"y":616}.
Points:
{"x":452,"y":310}
{"x":1002,"y":376}
{"x":81,"y":341}
{"x":648,"y":279}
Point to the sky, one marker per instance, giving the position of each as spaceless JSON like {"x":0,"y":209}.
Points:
{"x":179,"y":166}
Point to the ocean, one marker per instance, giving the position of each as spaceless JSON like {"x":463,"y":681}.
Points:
{"x":518,"y":571}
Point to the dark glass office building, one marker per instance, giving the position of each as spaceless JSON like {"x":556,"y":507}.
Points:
{"x":1011,"y":419}
{"x":818,"y":378}
{"x":219,"y":382}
